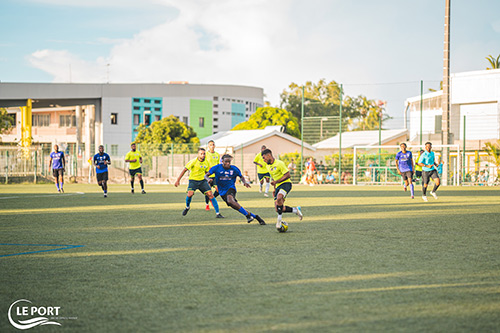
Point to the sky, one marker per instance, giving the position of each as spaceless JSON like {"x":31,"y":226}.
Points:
{"x":378,"y":49}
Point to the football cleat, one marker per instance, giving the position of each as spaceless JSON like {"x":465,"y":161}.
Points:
{"x":143,"y":192}
{"x":185,"y":211}
{"x":299,"y":213}
{"x":62,"y":190}
{"x":219,"y":216}
{"x":434,"y":195}
{"x":132,"y":191}
{"x":207,"y":207}
{"x":261,"y":221}
{"x":424,"y":197}
{"x":266,"y":195}
{"x":249,"y":218}
{"x":105,"y":195}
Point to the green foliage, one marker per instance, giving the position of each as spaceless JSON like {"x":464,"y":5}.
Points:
{"x":271,"y":116}
{"x":494,"y":63}
{"x":6,"y":121}
{"x":323,"y":99}
{"x":493,"y":150}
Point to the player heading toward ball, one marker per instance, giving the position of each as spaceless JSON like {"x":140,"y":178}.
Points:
{"x":404,"y":164}
{"x":225,"y":175}
{"x":282,"y":185}
{"x":198,"y":167}
{"x":429,"y":170}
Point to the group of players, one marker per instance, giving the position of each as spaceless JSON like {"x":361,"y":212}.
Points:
{"x":428,"y":164}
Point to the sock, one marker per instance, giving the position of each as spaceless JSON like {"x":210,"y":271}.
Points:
{"x":105,"y":188}
{"x":279,"y":209}
{"x":57,"y":185}
{"x":424,"y":190}
{"x":62,"y":184}
{"x":412,"y":190}
{"x":132,"y":184}
{"x":261,"y":187}
{"x":216,"y":205}
{"x":435,"y":188}
{"x":216,"y":194}
{"x":142,"y":184}
{"x":267,"y":186}
{"x":288,"y":209}
{"x":206,"y":199}
{"x":294,"y":210}
{"x":188,"y":201}
{"x":404,"y":185}
{"x":243,"y":211}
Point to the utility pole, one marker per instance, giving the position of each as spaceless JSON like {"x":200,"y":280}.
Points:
{"x":446,"y":93}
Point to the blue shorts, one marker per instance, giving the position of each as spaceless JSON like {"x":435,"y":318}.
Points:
{"x":201,"y":185}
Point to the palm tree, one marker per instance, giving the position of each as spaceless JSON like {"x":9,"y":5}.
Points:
{"x":493,"y":149}
{"x":495,"y":63}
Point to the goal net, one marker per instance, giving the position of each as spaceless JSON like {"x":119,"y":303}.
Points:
{"x":376,"y":165}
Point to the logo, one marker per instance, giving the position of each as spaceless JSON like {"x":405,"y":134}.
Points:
{"x":27,"y":310}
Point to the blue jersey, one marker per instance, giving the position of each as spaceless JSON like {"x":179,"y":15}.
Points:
{"x":99,"y":160}
{"x":405,"y":161}
{"x":427,"y":158}
{"x":57,"y":159}
{"x":225,"y":178}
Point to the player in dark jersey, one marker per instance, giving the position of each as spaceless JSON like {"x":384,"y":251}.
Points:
{"x":101,"y":162}
{"x":225,"y":176}
{"x":58,"y":164}
{"x":404,"y":164}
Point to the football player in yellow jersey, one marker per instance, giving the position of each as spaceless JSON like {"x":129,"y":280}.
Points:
{"x":262,"y":171}
{"x":134,"y":158}
{"x":213,"y":159}
{"x":198,"y":167}
{"x":282,"y":185}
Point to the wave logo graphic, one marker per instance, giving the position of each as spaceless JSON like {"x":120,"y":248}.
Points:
{"x":31,"y":311}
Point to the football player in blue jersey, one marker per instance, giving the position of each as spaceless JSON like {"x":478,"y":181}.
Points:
{"x":101,"y":162}
{"x":404,"y":164}
{"x":225,"y":176}
{"x":58,"y":165}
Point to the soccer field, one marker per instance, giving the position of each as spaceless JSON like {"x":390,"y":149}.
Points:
{"x":363,"y":259}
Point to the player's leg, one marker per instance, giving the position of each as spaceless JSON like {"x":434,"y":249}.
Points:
{"x":410,"y":182}
{"x":261,"y":181}
{"x":282,"y":191}
{"x":61,"y":182}
{"x":437,"y":182}
{"x":56,"y":179}
{"x":268,"y":183}
{"x":425,"y":183}
{"x":132,"y":178}
{"x":210,"y":196}
{"x":141,"y":181}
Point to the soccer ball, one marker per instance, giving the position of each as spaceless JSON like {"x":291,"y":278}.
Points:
{"x":283,"y":227}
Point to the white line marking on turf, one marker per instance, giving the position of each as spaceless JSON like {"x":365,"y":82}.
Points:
{"x":43,"y":196}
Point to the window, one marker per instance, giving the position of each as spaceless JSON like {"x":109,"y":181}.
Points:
{"x":216,"y":105}
{"x":157,"y":109}
{"x":147,"y":119}
{"x":216,"y":119}
{"x":157,"y":101}
{"x":136,"y":108}
{"x":216,"y":98}
{"x":157,"y":118}
{"x":216,"y":112}
{"x":114,"y":150}
{"x":13,"y":116}
{"x":136,"y":100}
{"x":201,"y":122}
{"x":137,"y":119}
{"x":185,"y":120}
{"x":114,"y":118}
{"x":147,"y":109}
{"x":147,"y":101}
{"x":216,"y":126}
{"x":40,"y":120}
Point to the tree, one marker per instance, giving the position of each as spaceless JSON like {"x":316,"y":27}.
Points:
{"x":495,"y":63}
{"x":271,"y":116}
{"x":493,"y":150}
{"x":6,"y":121}
{"x":159,"y":136}
{"x":323,"y":99}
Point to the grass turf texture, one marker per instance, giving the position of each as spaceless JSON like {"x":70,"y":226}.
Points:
{"x":363,"y":259}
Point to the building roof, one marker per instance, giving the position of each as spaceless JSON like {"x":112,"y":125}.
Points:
{"x":360,"y":138}
{"x":243,"y":138}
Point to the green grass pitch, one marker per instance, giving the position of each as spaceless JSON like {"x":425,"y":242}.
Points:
{"x":363,"y":259}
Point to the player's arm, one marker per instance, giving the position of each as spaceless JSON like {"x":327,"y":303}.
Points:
{"x":107,"y":161}
{"x":50,"y":162}
{"x":244,"y":181}
{"x":207,"y":175}
{"x":257,"y":164}
{"x":397,"y":166}
{"x":178,"y":181}
{"x":282,"y":179}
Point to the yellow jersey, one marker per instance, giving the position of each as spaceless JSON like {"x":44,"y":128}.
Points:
{"x":259,"y":159}
{"x":277,"y":170}
{"x":197,"y":169}
{"x":134,"y":155}
{"x":213,"y":159}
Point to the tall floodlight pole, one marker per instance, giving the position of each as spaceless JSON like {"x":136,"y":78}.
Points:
{"x":446,"y":92}
{"x":340,"y":134}
{"x":302,"y":133}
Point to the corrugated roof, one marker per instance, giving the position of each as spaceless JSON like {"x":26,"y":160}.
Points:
{"x":359,"y":138}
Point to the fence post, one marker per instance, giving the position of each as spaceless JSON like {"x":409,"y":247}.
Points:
{"x":7,"y":169}
{"x":354,"y":168}
{"x":172,"y":156}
